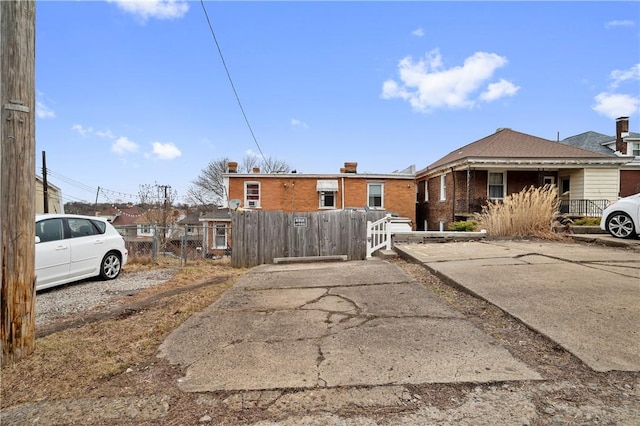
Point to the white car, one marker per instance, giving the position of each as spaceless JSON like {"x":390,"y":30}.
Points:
{"x":74,"y":247}
{"x":622,"y":218}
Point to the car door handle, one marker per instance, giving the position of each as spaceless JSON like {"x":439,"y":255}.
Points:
{"x":61,"y":248}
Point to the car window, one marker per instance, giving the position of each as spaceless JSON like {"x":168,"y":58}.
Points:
{"x":49,"y":230}
{"x":102,"y":226}
{"x":81,"y":227}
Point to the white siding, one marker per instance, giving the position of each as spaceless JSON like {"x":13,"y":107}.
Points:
{"x":577,"y":184}
{"x":601,"y":184}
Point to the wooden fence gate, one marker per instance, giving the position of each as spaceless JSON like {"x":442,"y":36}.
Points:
{"x":260,"y":236}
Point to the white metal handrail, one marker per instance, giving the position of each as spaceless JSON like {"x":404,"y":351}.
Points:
{"x":378,"y":235}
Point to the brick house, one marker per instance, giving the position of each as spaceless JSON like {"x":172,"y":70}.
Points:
{"x":348,"y":189}
{"x":623,"y":144}
{"x":217,"y":223}
{"x":460,"y":183}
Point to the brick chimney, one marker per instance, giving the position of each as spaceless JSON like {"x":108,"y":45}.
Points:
{"x":622,"y":130}
{"x":350,"y":168}
{"x":233,"y":167}
{"x":256,"y":170}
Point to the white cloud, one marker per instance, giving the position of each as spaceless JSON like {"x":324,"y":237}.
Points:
{"x":83,"y":131}
{"x":298,"y":123}
{"x":614,"y":105}
{"x":166,"y":151}
{"x":620,"y":76}
{"x":43,"y":111}
{"x":499,"y":90}
{"x":159,"y":9}
{"x":123,"y":145}
{"x":427,"y":85}
{"x":418,"y":32}
{"x":623,"y":23}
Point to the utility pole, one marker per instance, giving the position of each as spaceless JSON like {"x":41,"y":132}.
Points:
{"x":17,"y":179}
{"x":45,"y":185}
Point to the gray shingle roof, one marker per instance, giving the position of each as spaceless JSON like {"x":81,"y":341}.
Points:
{"x":591,"y":141}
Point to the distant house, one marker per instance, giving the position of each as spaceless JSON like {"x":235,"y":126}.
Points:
{"x":140,"y":227}
{"x":624,"y":144}
{"x":348,"y":189}
{"x":460,"y":183}
{"x":54,"y":197}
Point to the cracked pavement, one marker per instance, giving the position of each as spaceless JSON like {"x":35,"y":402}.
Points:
{"x":325,"y":325}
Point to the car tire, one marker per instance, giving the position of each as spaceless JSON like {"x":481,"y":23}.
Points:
{"x":620,"y":225}
{"x":110,"y":266}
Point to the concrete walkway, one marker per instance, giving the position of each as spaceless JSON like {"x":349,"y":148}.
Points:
{"x":359,"y":323}
{"x":584,"y":297}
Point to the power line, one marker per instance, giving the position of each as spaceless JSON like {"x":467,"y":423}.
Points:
{"x":235,"y":92}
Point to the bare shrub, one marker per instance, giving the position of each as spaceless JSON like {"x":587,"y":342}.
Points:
{"x":531,"y":212}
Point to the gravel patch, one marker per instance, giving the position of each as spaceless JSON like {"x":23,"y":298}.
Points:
{"x":60,"y":302}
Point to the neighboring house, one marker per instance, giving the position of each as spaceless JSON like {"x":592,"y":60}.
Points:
{"x":139,"y":227}
{"x":218,"y":231}
{"x":54,"y":197}
{"x":624,"y":144}
{"x":298,"y":192}
{"x":506,"y":162}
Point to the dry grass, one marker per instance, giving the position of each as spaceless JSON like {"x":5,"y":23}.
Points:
{"x":71,"y":363}
{"x":529,"y":213}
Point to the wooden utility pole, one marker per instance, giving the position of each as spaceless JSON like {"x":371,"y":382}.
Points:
{"x":17,"y":179}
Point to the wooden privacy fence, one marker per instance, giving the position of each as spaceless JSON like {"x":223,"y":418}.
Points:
{"x":258,"y":237}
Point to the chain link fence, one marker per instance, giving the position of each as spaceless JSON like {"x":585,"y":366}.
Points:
{"x":178,"y":242}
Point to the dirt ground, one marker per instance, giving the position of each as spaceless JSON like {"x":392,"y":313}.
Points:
{"x":100,"y":368}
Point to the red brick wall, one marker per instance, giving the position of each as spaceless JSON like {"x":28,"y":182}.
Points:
{"x":299,"y":194}
{"x":629,"y":182}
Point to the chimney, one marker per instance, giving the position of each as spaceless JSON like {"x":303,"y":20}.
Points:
{"x":622,"y":130}
{"x":350,"y":168}
{"x":233,"y":167}
{"x":256,"y":170}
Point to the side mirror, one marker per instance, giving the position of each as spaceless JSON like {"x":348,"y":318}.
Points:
{"x":37,"y":239}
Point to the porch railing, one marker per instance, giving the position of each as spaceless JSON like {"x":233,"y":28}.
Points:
{"x":588,"y":208}
{"x":584,"y":208}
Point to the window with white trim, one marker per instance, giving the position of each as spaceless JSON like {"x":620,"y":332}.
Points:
{"x":221,"y":237}
{"x":426,"y":191}
{"x":635,"y":149}
{"x":252,"y":195}
{"x":443,"y":187}
{"x":496,"y":185}
{"x":375,"y":195}
{"x":327,"y":199}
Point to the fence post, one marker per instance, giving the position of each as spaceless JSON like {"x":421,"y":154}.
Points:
{"x":154,"y":244}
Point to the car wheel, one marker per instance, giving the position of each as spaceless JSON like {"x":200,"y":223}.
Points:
{"x":110,"y":266}
{"x":620,"y":225}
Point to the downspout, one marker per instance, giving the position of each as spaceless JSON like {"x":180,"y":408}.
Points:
{"x":468,"y":189}
{"x":453,"y":207}
{"x":342,"y":195}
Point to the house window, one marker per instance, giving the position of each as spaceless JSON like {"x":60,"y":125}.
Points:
{"x":549,"y":180}
{"x":375,"y":193}
{"x":496,"y":185}
{"x":252,"y":194}
{"x":635,"y":149}
{"x":426,"y":191}
{"x":327,"y":199}
{"x":145,"y":229}
{"x":565,"y":186}
{"x":221,"y":237}
{"x":443,"y":187}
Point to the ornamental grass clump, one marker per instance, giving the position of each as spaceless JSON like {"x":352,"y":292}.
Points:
{"x":530,"y":213}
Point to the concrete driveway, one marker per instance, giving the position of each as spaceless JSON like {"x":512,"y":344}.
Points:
{"x":333,"y":324}
{"x":367,"y":323}
{"x":584,"y":297}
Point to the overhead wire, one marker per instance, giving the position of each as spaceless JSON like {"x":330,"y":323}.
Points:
{"x":233,"y":87}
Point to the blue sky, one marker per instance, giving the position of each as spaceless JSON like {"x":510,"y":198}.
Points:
{"x":133,"y":93}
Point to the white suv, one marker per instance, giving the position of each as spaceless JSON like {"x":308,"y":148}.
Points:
{"x":74,"y":247}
